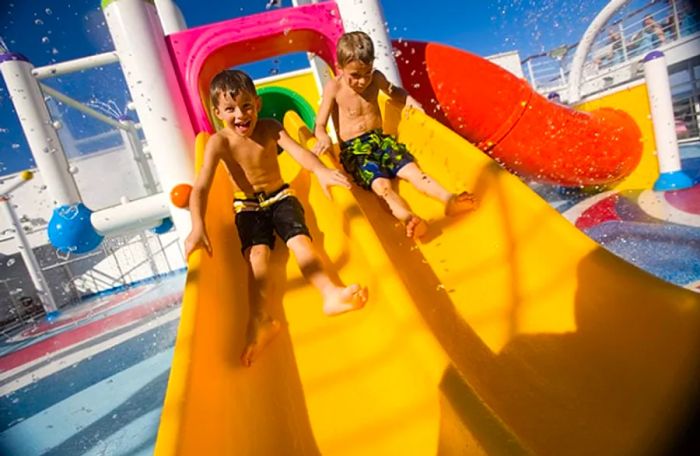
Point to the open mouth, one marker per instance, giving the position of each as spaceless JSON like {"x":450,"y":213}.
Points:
{"x":242,"y":126}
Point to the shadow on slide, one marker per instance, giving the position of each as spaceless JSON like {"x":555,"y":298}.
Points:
{"x":506,"y":331}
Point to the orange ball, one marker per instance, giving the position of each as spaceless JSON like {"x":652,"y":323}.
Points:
{"x":180,"y":195}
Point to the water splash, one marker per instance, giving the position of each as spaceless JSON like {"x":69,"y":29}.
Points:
{"x":109,"y":108}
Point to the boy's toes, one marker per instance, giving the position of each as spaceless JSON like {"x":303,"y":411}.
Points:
{"x":458,"y":204}
{"x":416,"y":227}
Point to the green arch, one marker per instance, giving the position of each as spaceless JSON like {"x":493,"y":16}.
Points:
{"x":276,"y":101}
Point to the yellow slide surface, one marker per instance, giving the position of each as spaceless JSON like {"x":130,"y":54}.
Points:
{"x":506,"y":331}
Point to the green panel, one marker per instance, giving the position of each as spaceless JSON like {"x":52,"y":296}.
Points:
{"x":105,"y":3}
{"x":276,"y":101}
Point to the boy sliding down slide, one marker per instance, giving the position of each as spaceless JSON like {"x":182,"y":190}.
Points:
{"x":371,"y":157}
{"x":264,"y":204}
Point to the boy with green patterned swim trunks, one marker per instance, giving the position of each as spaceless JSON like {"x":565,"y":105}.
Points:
{"x":371,"y":157}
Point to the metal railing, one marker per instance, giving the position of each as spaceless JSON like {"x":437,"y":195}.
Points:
{"x":620,"y":42}
{"x":17,"y":309}
{"x":121,"y":261}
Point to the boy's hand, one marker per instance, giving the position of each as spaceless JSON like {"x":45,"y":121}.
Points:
{"x":330,"y":177}
{"x":198,"y":238}
{"x":323,"y":143}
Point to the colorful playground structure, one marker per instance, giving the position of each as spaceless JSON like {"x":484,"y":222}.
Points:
{"x":507,"y":331}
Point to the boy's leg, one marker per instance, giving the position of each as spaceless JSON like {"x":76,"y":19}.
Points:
{"x":336,"y":299}
{"x":424,"y":183}
{"x":415,"y":226}
{"x":262,"y":328}
{"x":454,"y":204}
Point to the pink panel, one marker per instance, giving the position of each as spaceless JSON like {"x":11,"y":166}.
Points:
{"x":200,"y":53}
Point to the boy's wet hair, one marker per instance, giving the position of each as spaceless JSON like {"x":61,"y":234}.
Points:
{"x":232,"y":82}
{"x":354,"y":46}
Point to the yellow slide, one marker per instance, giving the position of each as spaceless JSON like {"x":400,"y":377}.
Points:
{"x":506,"y":331}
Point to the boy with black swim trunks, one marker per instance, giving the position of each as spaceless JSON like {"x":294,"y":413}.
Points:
{"x":371,"y":157}
{"x":263,"y":203}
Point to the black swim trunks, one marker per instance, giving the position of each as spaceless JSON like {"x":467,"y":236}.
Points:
{"x":372,"y":155}
{"x":259,"y":216}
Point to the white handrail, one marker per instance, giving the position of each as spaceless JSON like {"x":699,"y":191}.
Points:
{"x":71,"y":66}
{"x":82,"y":108}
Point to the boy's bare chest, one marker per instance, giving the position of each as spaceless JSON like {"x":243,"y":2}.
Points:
{"x":253,"y":156}
{"x":353,"y":105}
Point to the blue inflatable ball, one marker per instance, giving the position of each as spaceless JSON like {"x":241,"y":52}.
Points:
{"x":71,"y":230}
{"x":165,"y":226}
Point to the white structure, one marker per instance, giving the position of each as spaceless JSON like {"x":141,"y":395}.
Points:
{"x":24,"y":246}
{"x":671,"y":177}
{"x":171,"y":17}
{"x":509,"y":61}
{"x":140,"y":43}
{"x":38,"y":128}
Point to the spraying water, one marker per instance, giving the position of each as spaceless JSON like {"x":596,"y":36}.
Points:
{"x":3,"y":47}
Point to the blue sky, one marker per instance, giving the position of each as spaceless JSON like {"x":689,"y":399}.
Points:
{"x":49,"y":31}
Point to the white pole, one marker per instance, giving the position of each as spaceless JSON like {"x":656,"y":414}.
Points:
{"x":171,"y":17}
{"x":131,"y":140}
{"x":321,"y":71}
{"x":38,"y":128}
{"x":671,"y":177}
{"x":72,"y":66}
{"x":139,"y":40}
{"x":135,"y":215}
{"x":367,"y":16}
{"x":25,"y":248}
{"x":584,"y":46}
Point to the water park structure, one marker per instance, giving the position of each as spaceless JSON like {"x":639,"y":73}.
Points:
{"x":506,"y":331}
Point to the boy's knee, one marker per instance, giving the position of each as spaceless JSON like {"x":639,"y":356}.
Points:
{"x":299,"y":241}
{"x":381,"y":187}
{"x":259,"y":257}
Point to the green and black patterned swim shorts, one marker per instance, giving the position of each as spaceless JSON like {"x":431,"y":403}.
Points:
{"x":372,"y":155}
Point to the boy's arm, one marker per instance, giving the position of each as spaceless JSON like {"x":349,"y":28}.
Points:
{"x":326,"y":176}
{"x":396,"y":93}
{"x":200,"y":192}
{"x":324,"y":112}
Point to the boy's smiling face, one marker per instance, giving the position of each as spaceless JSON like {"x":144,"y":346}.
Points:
{"x":357,"y":75}
{"x":240,"y":112}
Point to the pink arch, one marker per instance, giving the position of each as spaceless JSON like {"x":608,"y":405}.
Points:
{"x":198,"y":54}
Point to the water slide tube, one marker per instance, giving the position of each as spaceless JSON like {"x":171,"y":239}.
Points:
{"x":519,"y":128}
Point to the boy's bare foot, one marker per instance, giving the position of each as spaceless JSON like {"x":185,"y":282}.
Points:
{"x":260,"y":332}
{"x":464,"y":202}
{"x":416,"y":227}
{"x":341,"y":300}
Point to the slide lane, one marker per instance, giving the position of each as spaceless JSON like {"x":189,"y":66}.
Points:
{"x":506,"y":330}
